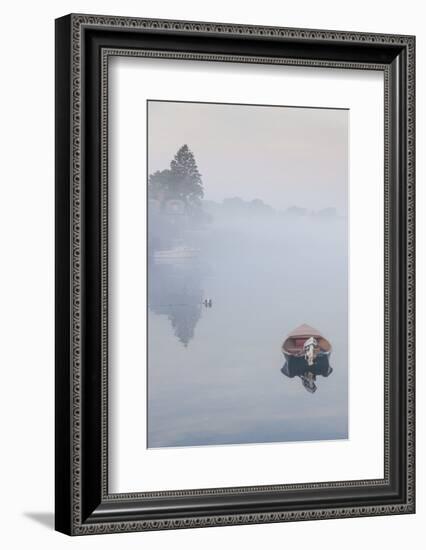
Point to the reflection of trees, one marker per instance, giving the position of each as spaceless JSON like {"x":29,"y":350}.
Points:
{"x":175,"y":290}
{"x":174,"y":287}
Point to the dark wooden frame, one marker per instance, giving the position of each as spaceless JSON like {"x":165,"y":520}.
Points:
{"x":83,"y":46}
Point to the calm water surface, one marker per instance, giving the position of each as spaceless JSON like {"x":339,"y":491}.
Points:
{"x":214,"y":373}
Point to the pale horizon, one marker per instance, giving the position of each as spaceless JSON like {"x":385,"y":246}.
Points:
{"x":298,"y":154}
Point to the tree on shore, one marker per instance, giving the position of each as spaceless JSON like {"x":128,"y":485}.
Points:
{"x":181,"y":181}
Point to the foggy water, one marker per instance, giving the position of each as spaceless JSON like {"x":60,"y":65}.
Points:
{"x":214,"y":373}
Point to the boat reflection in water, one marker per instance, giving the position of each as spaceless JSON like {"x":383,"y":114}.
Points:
{"x":307,"y":355}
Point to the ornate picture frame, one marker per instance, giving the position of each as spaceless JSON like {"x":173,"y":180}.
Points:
{"x":84,"y":45}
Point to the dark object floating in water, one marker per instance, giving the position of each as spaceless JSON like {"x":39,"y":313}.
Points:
{"x":307,"y":355}
{"x":208,"y":303}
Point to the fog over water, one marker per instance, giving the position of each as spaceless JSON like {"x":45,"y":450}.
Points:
{"x":224,"y":289}
{"x":285,"y":156}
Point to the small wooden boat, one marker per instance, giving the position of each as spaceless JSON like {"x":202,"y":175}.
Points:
{"x":306,"y":346}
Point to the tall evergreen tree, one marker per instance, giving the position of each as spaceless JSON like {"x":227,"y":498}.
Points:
{"x":188,"y":184}
{"x":181,"y":181}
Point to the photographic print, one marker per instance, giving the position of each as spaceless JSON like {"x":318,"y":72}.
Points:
{"x":247,"y":274}
{"x":234,"y":294}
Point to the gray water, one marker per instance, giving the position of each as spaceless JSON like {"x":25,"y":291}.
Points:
{"x":214,"y":373}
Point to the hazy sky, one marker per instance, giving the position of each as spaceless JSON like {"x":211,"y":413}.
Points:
{"x":285,"y":156}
